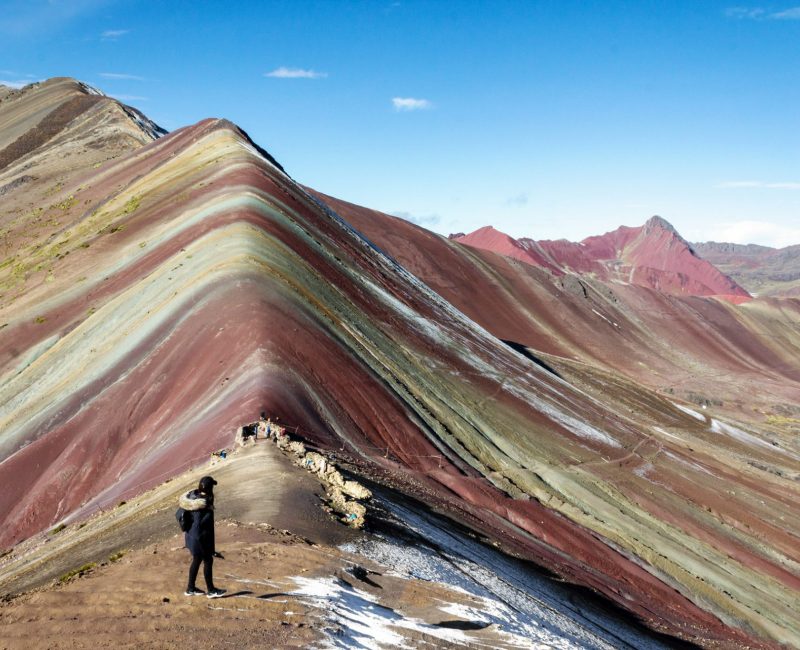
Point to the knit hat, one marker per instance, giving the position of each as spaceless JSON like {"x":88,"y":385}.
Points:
{"x":207,"y":484}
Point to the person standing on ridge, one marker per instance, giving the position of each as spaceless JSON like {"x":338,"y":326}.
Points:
{"x":263,"y":425}
{"x":200,"y":536}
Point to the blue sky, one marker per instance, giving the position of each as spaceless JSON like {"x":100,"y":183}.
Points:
{"x":546,"y":119}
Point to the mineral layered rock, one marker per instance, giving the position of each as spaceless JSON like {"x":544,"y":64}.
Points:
{"x":154,"y":299}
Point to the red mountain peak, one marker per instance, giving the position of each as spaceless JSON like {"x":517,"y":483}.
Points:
{"x":659,"y":223}
{"x":524,"y":250}
{"x":652,"y":255}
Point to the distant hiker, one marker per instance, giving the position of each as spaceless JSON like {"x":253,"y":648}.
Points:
{"x":263,"y":425}
{"x":200,"y":536}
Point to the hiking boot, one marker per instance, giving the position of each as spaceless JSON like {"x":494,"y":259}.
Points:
{"x":216,"y":593}
{"x":193,"y":592}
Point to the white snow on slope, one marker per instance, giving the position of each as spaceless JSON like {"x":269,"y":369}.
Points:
{"x":518,"y":600}
{"x":688,"y":411}
{"x":355,"y":620}
{"x":734,"y":432}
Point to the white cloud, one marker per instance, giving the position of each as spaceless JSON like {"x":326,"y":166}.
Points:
{"x":14,"y":84}
{"x":129,"y":98}
{"x":421,"y":220}
{"x":765,"y":233}
{"x":758,"y":185}
{"x":745,"y":12}
{"x":410,"y":104}
{"x":787,"y":14}
{"x":121,"y":75}
{"x":114,"y":34}
{"x":295,"y":73}
{"x":759,"y":13}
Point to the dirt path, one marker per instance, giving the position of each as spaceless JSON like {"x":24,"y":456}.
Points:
{"x":283,"y":589}
{"x":256,"y":484}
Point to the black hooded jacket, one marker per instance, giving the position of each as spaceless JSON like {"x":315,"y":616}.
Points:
{"x":200,"y":537}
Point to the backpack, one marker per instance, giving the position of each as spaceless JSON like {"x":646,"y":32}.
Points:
{"x":184,"y":518}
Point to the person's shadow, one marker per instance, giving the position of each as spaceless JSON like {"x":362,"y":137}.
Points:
{"x":250,"y":593}
{"x":268,"y":596}
{"x":237,"y":593}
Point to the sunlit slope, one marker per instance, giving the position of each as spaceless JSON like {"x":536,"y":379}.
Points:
{"x":203,"y":285}
{"x":50,"y":131}
{"x":52,"y":135}
{"x":740,"y":359}
{"x":653,"y":255}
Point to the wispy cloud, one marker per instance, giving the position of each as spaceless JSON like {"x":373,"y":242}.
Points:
{"x":15,"y":83}
{"x":121,"y":75}
{"x":759,"y":13}
{"x":765,"y":233}
{"x":295,"y":73}
{"x":14,"y":79}
{"x":758,"y":185}
{"x":745,"y":12}
{"x":410,"y":104}
{"x":130,"y":98}
{"x":787,"y":14}
{"x":519,"y":200}
{"x":419,"y":219}
{"x":114,"y":34}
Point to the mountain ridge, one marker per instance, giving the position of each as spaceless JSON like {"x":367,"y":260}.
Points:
{"x":177,"y":289}
{"x":653,"y":255}
{"x":762,"y":269}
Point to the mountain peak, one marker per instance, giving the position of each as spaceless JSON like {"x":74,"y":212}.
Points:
{"x":659,"y":223}
{"x":654,"y":256}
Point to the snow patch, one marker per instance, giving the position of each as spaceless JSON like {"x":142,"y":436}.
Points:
{"x":526,"y":609}
{"x":421,"y":324}
{"x":359,"y":621}
{"x":738,"y":434}
{"x":610,"y":322}
{"x":574,"y":425}
{"x":145,"y":124}
{"x":688,"y":411}
{"x":667,"y":433}
{"x":92,"y":90}
{"x":688,"y":463}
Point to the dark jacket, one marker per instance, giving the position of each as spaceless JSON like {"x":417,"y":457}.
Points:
{"x":200,"y":537}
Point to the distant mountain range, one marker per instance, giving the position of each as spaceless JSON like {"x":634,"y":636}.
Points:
{"x":655,"y":255}
{"x":618,"y":411}
{"x":763,"y":270}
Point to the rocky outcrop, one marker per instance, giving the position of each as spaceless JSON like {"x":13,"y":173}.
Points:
{"x":343,"y":496}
